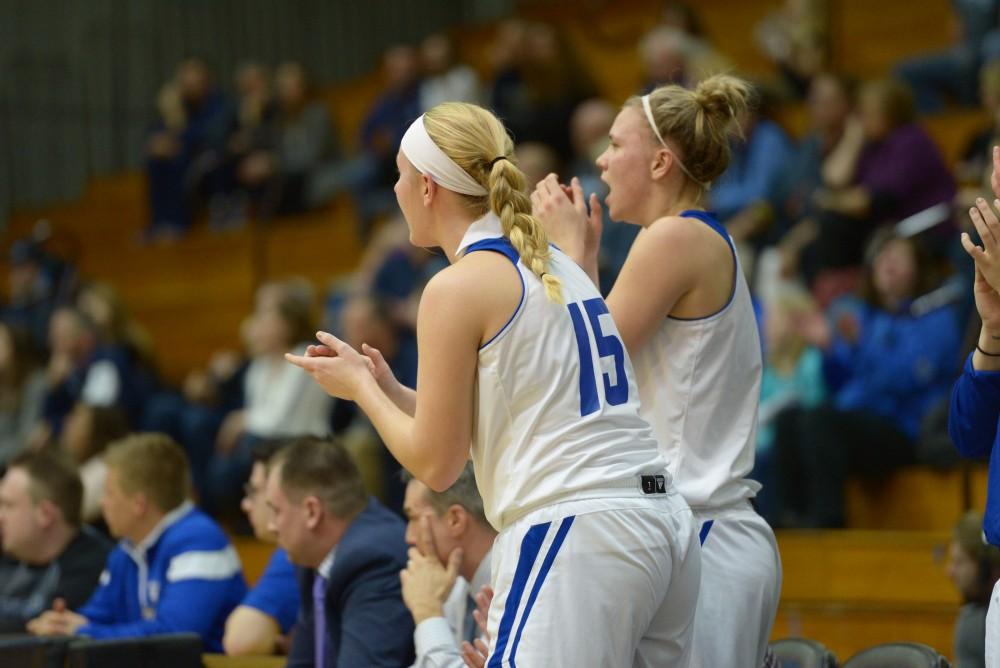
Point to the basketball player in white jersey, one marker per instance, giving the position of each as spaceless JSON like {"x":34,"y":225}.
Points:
{"x":597,"y":558}
{"x":683,"y":309}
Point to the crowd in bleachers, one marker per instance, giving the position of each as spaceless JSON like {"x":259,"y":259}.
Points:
{"x":848,"y":235}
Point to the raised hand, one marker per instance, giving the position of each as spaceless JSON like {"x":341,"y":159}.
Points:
{"x":335,"y":366}
{"x":569,"y":223}
{"x":987,"y":256}
{"x":379,"y":368}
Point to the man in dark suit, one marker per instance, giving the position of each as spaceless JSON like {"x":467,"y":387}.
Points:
{"x":351,"y":549}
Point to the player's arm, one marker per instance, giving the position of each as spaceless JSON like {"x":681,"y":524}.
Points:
{"x":404,"y":397}
{"x":434,"y":443}
{"x":661,"y":268}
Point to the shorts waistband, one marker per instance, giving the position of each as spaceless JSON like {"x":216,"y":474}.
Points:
{"x":658,"y":486}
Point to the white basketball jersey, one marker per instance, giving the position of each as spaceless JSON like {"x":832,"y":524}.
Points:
{"x":699,"y":382}
{"x":557,"y":411}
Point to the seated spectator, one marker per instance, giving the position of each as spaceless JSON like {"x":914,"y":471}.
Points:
{"x":445,"y":80}
{"x":542,"y":90}
{"x":22,"y":390}
{"x":279,"y":400}
{"x":282,"y":177}
{"x":796,"y":39}
{"x":351,"y":550}
{"x":82,"y":369}
{"x":87,"y":433}
{"x":370,"y":325}
{"x":193,"y":416}
{"x":792,"y":379}
{"x":974,"y":568}
{"x":670,"y":55}
{"x":451,"y":543}
{"x":759,"y":153}
{"x":33,"y":288}
{"x":537,"y":161}
{"x":185,"y":145}
{"x":103,"y":305}
{"x":701,"y":57}
{"x":262,"y":623}
{"x":976,"y":162}
{"x":791,"y":216}
{"x":885,"y":169}
{"x":886,"y":366}
{"x":951,"y":73}
{"x":173,"y":571}
{"x":507,"y":56}
{"x":829,"y":103}
{"x":382,"y":130}
{"x":47,"y":554}
{"x":253,"y":130}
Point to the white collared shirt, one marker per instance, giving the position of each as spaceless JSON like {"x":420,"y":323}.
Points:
{"x":437,"y":640}
{"x":326,"y":566}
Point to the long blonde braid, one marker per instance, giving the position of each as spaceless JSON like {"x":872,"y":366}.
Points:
{"x":474,"y":138}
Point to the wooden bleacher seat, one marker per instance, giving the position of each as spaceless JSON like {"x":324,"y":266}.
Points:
{"x":916,"y":498}
{"x":223,"y":661}
{"x":978,"y":482}
{"x":952,"y":130}
{"x":854,"y":589}
{"x":254,"y":555}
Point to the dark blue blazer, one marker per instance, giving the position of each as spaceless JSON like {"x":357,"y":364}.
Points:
{"x":367,"y":623}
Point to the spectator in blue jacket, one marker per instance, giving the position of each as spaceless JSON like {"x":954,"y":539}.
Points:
{"x":262,"y":623}
{"x":173,"y":571}
{"x":887,"y":364}
{"x":975,"y":401}
{"x":755,"y":168}
{"x":351,"y":549}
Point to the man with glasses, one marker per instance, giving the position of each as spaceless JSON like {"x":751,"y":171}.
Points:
{"x":262,"y":622}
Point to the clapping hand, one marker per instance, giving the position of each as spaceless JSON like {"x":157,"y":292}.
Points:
{"x":335,"y":366}
{"x":568,"y":221}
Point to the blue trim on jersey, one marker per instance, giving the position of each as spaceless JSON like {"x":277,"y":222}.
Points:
{"x":531,"y":545}
{"x":710,"y":220}
{"x":540,"y":580}
{"x":503,"y":246}
{"x":500,"y":245}
{"x":705,"y":528}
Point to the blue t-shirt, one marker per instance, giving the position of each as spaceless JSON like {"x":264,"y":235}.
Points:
{"x":276,"y":593}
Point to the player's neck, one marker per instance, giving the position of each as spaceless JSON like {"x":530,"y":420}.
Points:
{"x":451,"y":224}
{"x":677,"y":196}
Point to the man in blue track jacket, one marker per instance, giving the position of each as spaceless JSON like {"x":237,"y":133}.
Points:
{"x":975,"y":401}
{"x":174,"y":569}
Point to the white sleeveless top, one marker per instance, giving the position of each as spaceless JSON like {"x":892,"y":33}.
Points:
{"x":557,"y":409}
{"x":699,"y":382}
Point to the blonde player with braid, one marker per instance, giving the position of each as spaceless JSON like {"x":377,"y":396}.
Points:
{"x":596,"y":562}
{"x":684,"y":312}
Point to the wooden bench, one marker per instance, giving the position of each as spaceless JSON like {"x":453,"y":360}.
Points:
{"x":223,"y":661}
{"x":853,"y":589}
{"x":915,"y":498}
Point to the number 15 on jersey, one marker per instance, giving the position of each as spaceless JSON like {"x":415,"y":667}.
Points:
{"x":608,"y":345}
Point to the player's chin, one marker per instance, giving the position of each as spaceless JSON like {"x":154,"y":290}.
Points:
{"x":612,"y":207}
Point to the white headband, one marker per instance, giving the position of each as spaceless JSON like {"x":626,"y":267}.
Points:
{"x":429,"y":159}
{"x":656,"y":131}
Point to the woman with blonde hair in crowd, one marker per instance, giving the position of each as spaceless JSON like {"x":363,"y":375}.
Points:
{"x":683,"y":308}
{"x":596,"y":562}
